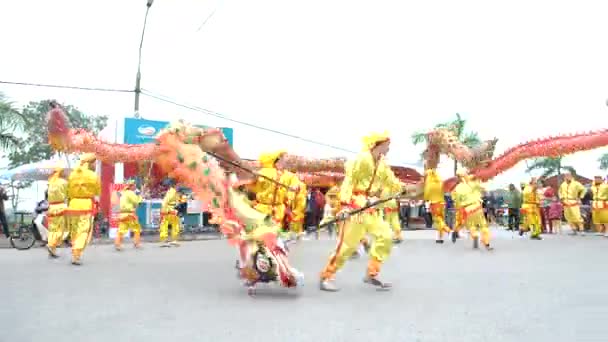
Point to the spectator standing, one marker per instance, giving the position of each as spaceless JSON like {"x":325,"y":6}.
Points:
{"x":514,"y":204}
{"x":3,"y":197}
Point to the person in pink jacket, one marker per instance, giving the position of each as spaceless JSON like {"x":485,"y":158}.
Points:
{"x":554,"y":215}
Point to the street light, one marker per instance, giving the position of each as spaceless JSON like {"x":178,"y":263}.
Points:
{"x":138,"y":77}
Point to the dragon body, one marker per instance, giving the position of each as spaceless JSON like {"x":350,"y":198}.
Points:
{"x":180,"y":152}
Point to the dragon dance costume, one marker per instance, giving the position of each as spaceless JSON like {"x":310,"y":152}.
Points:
{"x":364,"y":181}
{"x":127,"y":219}
{"x":467,"y":201}
{"x":530,"y":209}
{"x":571,"y":192}
{"x":433,"y":193}
{"x":169,"y":217}
{"x":600,"y":205}
{"x":83,"y":187}
{"x":57,"y":196}
{"x":390,"y":210}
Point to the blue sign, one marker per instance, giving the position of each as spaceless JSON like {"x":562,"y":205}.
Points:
{"x":140,"y":131}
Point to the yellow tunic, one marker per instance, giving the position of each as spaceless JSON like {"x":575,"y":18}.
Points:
{"x":169,"y":202}
{"x":600,"y":203}
{"x":57,"y":196}
{"x":570,"y":193}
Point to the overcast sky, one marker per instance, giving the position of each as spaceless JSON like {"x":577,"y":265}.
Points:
{"x":328,"y":70}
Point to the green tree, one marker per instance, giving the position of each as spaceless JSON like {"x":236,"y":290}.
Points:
{"x":604,"y":161}
{"x":11,"y":121}
{"x":458,"y":127}
{"x":550,"y":167}
{"x":34,"y":144}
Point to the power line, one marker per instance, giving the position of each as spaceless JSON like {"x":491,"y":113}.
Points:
{"x":67,"y":87}
{"x":218,"y":115}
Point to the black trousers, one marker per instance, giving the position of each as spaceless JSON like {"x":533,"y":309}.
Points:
{"x":4,"y":224}
{"x":514,"y":218}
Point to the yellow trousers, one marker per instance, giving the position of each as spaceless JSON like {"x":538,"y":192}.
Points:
{"x":473,"y":218}
{"x":438,"y":215}
{"x":573,"y":214}
{"x":532,"y":221}
{"x":126,"y":222}
{"x":57,"y":228}
{"x":297,"y":227}
{"x":600,"y":216}
{"x":173,"y":221}
{"x":351,"y":235}
{"x":80,"y":231}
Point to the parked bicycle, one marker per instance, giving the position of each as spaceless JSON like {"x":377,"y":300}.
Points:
{"x":23,"y":236}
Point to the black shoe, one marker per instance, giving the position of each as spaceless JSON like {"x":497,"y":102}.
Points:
{"x":489,"y":248}
{"x":521,"y":232}
{"x":536,"y":237}
{"x":439,"y":241}
{"x":454,"y":236}
{"x":476,"y":242}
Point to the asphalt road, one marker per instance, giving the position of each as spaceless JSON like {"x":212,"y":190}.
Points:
{"x":551,"y":290}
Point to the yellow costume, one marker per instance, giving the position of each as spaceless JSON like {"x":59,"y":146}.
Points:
{"x":129,"y":201}
{"x":297,"y":203}
{"x":270,"y":197}
{"x":83,"y":186}
{"x":433,"y":192}
{"x":570,"y":193}
{"x":169,"y":217}
{"x":467,"y":201}
{"x":57,"y":195}
{"x":364,"y":180}
{"x":530,"y":208}
{"x":600,"y":205}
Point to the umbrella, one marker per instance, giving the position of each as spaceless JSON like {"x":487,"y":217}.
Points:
{"x":34,"y":171}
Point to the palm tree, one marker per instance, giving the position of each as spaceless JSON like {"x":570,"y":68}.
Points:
{"x":550,"y":167}
{"x":604,"y":161}
{"x":457,"y":126}
{"x":11,"y":121}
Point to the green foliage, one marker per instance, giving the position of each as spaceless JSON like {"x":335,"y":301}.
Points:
{"x":33,"y":144}
{"x":550,"y":166}
{"x":604,"y":161}
{"x":11,"y":121}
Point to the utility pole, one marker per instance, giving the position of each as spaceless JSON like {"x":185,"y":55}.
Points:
{"x":138,"y":77}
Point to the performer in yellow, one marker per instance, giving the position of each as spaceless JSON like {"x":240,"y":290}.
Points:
{"x":129,"y":201}
{"x":57,"y":195}
{"x":332,"y":206}
{"x":530,"y":208}
{"x":363,"y":182}
{"x":83,"y":186}
{"x":571,"y":192}
{"x":467,"y":201}
{"x":297,"y":204}
{"x":433,"y":192}
{"x":271,"y":197}
{"x":600,"y":205}
{"x":169,"y":217}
